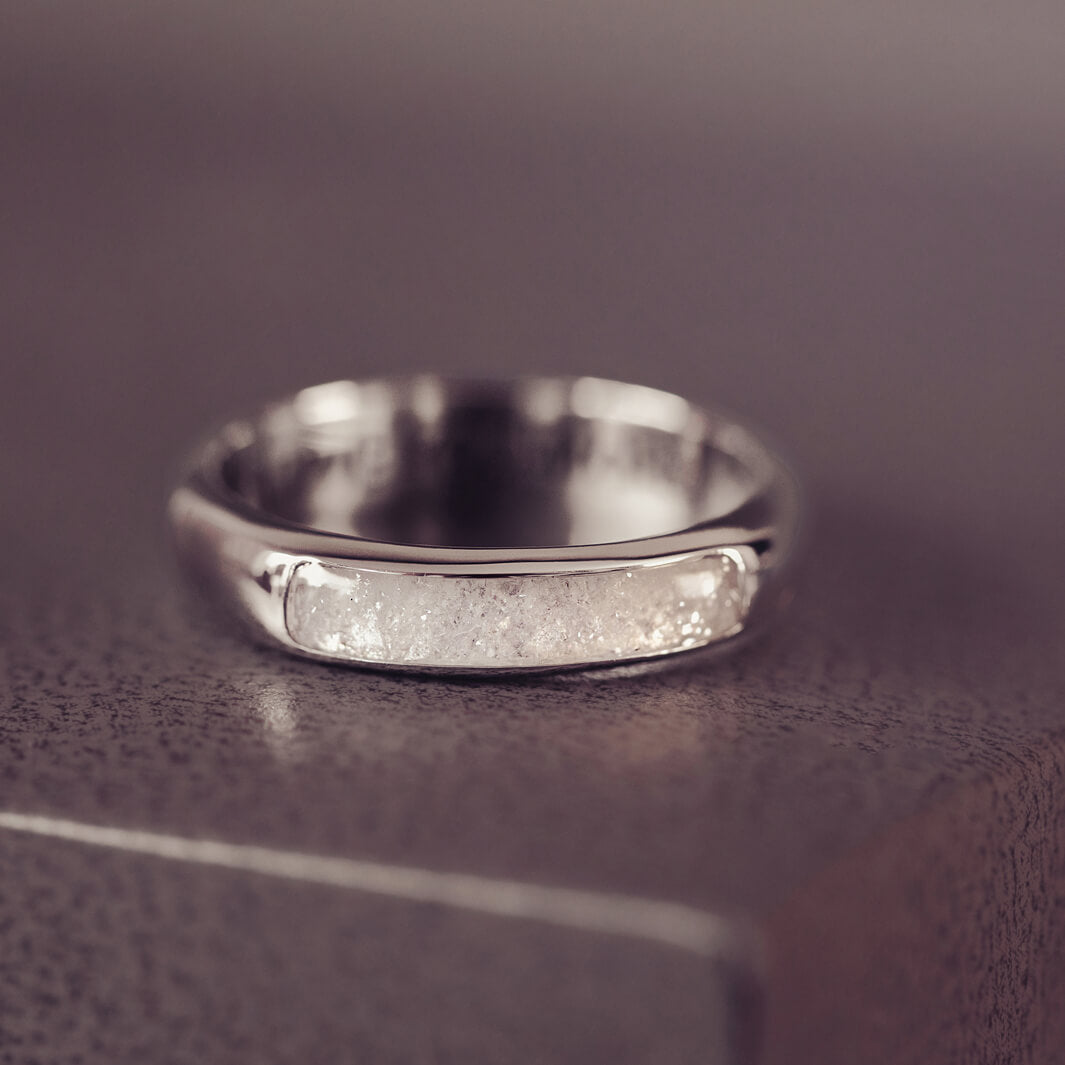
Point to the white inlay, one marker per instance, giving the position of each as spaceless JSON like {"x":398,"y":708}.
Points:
{"x":372,"y":615}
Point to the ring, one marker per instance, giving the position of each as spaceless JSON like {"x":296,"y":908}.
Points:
{"x":434,"y":524}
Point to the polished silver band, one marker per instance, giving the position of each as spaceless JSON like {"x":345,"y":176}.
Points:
{"x":429,"y":524}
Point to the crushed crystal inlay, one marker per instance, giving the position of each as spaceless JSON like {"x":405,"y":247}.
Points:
{"x":379,"y":616}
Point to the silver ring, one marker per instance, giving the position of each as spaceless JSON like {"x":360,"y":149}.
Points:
{"x":432,"y":524}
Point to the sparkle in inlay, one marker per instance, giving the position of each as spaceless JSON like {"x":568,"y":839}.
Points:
{"x":534,"y":620}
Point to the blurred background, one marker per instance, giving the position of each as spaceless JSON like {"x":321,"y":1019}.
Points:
{"x":844,"y":222}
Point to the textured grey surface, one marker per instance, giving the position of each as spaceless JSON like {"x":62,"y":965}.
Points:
{"x":878,"y":783}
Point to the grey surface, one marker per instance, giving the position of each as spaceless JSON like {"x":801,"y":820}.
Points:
{"x":877,"y":783}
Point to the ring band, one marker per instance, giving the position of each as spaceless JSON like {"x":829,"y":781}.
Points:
{"x":428,"y":524}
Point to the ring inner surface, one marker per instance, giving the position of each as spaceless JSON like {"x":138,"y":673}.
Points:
{"x":538,"y":463}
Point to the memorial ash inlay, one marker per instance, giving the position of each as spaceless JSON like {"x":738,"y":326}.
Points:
{"x":379,"y":616}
